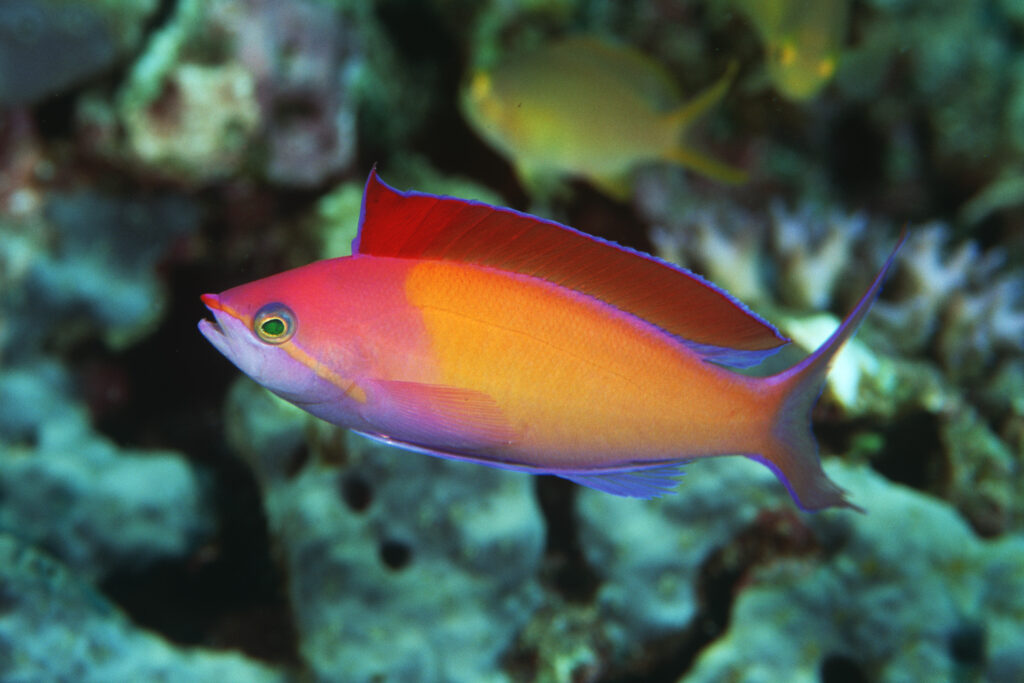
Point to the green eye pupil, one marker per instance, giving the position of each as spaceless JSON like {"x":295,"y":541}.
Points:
{"x":274,"y":323}
{"x":273,"y":327}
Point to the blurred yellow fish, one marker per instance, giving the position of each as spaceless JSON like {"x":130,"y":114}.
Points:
{"x":584,"y":107}
{"x":802,"y":41}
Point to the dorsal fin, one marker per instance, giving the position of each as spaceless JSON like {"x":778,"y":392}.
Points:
{"x":422,"y":226}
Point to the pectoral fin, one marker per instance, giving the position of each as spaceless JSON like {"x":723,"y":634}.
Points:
{"x":444,"y":417}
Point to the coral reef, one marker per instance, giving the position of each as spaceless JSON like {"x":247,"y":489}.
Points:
{"x":965,"y":303}
{"x":65,"y":488}
{"x":92,"y":640}
{"x":157,"y":514}
{"x":376,"y":541}
{"x":240,"y":85}
{"x":97,"y":507}
{"x":79,"y":265}
{"x":906,"y":592}
{"x":969,"y":89}
{"x":648,"y":559}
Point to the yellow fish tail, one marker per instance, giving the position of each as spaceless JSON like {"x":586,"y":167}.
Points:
{"x":695,"y":108}
{"x":681,"y":118}
{"x":707,"y":166}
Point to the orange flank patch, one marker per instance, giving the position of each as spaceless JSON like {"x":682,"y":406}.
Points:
{"x":578,"y":380}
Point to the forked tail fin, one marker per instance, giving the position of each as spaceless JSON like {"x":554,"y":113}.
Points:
{"x":790,"y":449}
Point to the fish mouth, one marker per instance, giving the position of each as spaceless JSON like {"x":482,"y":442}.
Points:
{"x":212,"y":329}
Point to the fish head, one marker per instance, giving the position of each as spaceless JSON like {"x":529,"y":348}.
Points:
{"x":480,"y":103}
{"x":486,"y":108}
{"x":270,"y":330}
{"x":803,"y":48}
{"x":800,"y":71}
{"x":256,"y":341}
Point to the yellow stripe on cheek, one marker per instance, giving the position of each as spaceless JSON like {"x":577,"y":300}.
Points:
{"x":351,"y":389}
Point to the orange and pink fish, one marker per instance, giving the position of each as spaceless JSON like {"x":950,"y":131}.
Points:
{"x":482,"y":334}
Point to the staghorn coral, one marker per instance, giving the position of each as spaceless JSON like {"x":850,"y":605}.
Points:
{"x":962,"y":304}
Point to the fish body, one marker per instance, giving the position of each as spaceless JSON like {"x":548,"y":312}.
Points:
{"x":802,"y":38}
{"x":478,"y":333}
{"x":585,"y":107}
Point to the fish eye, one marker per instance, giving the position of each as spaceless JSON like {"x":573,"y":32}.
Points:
{"x":787,"y":53}
{"x":274,"y":323}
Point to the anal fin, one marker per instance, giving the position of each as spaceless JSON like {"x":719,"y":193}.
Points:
{"x":647,"y":482}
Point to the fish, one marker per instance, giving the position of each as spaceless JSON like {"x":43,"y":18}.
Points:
{"x":586,"y":107}
{"x":803,"y":40}
{"x":481,"y":334}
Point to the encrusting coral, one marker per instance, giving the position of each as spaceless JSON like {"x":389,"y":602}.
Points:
{"x":92,"y":640}
{"x":906,"y":592}
{"x":374,"y":541}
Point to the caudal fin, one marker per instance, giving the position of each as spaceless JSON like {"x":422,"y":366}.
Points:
{"x":790,"y":449}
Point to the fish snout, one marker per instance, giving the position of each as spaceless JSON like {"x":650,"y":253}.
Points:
{"x":212,"y":301}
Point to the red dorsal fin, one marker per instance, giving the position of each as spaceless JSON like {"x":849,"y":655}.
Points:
{"x":423,"y":226}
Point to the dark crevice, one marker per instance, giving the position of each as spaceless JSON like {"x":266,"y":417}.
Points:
{"x":356,"y":492}
{"x":858,"y":154}
{"x":297,"y":460}
{"x":837,"y":668}
{"x":596,"y":214}
{"x":913,"y":454}
{"x":396,"y":555}
{"x":432,"y":51}
{"x":167,"y":391}
{"x":228,"y":593}
{"x":968,"y":645}
{"x":565,"y":569}
{"x":908,"y":450}
{"x":164,"y":13}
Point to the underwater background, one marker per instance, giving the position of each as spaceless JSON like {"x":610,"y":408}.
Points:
{"x":164,"y":518}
